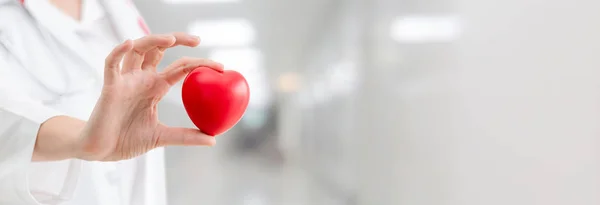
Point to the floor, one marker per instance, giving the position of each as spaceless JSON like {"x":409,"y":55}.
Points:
{"x":222,"y":176}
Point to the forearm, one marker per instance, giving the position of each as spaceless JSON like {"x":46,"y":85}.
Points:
{"x":58,"y":139}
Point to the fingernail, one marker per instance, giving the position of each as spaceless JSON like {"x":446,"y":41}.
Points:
{"x":196,"y":38}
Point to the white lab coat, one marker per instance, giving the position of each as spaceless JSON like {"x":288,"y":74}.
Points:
{"x":45,"y":72}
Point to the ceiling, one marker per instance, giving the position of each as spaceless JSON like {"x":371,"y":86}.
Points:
{"x":284,"y":28}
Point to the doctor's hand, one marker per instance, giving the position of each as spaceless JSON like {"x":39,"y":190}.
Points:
{"x":124,"y":123}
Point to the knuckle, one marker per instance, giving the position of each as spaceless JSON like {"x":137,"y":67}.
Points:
{"x":108,"y":61}
{"x":202,"y":62}
{"x":153,"y":36}
{"x":179,"y":34}
{"x":188,"y":69}
{"x":137,"y":51}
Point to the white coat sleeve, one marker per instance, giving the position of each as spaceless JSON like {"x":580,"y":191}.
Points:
{"x":20,"y":120}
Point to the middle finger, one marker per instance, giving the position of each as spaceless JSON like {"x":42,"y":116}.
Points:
{"x":153,"y":57}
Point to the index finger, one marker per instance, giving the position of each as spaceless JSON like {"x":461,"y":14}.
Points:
{"x":180,"y":68}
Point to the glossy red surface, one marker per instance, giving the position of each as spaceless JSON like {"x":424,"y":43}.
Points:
{"x":215,"y":101}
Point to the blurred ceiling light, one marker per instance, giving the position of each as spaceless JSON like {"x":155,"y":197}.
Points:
{"x":228,"y":32}
{"x":288,"y":83}
{"x":199,"y":1}
{"x":425,"y":29}
{"x":342,"y":78}
{"x":249,"y":62}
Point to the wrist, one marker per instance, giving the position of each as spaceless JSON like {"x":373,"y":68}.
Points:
{"x":58,"y":139}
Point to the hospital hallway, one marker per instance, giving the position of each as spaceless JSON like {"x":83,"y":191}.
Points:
{"x":393,"y":102}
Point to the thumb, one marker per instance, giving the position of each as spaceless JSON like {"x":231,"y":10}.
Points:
{"x":179,"y":136}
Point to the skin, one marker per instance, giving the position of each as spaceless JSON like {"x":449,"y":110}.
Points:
{"x":124,"y":123}
{"x":69,"y":7}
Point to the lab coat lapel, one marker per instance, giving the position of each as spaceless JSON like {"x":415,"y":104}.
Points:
{"x":41,"y":12}
{"x":126,"y":19}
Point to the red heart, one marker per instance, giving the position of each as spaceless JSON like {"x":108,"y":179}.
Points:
{"x":215,"y":100}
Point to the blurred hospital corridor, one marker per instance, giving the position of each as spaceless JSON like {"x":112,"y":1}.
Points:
{"x":393,"y":102}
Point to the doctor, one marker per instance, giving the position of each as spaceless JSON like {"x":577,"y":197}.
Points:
{"x":78,"y":118}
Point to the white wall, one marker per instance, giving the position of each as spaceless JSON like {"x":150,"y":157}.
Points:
{"x":529,"y":83}
{"x":507,"y":114}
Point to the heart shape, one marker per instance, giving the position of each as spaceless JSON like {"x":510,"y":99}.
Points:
{"x":215,"y":100}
